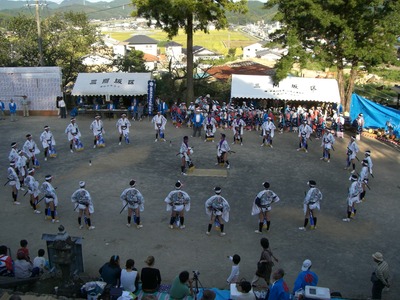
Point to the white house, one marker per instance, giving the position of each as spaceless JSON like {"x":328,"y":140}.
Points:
{"x":251,"y":50}
{"x":119,"y":48}
{"x":271,"y":54}
{"x":173,"y":51}
{"x":143,"y":43}
{"x":201,"y":53}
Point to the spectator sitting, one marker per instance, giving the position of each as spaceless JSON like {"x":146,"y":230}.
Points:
{"x":24,"y":248}
{"x":179,"y":288}
{"x":279,"y":289}
{"x":305,"y":277}
{"x":40,"y":261}
{"x":208,"y":295}
{"x":246,"y":292}
{"x":23,"y":268}
{"x":110,"y":272}
{"x":151,"y":277}
{"x":129,"y":277}
{"x":6,"y":264}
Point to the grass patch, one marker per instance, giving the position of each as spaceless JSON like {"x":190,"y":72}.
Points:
{"x":217,"y":40}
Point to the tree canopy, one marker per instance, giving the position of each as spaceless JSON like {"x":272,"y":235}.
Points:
{"x":337,"y":33}
{"x":66,"y":38}
{"x":191,"y":15}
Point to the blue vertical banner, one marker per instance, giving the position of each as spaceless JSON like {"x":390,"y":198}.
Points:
{"x":151,"y":90}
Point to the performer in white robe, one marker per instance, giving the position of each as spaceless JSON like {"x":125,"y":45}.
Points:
{"x":31,"y":150}
{"x":353,"y":196}
{"x":352,"y":150}
{"x":50,"y":198}
{"x":222,"y":151}
{"x":97,"y":128}
{"x":133,"y":199}
{"x":304,"y":134}
{"x":237,"y":126}
{"x":83,"y":202}
{"x":73,"y":134}
{"x":33,"y":189}
{"x":13,"y":181}
{"x":48,"y":141}
{"x":327,"y":143}
{"x":363,"y":178}
{"x":20,"y":167}
{"x":123,"y":125}
{"x":369,"y":160}
{"x":210,"y":126}
{"x":159,"y":125}
{"x":311,"y":204}
{"x":13,"y":155}
{"x":268,"y":132}
{"x":184,"y":152}
{"x":217,"y":207}
{"x":262,"y":206}
{"x":178,"y":202}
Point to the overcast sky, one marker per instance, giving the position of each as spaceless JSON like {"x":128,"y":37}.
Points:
{"x":59,"y":1}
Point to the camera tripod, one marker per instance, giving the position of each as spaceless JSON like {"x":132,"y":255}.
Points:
{"x":197,"y":282}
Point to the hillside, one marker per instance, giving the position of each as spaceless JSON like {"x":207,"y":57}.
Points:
{"x":117,"y":9}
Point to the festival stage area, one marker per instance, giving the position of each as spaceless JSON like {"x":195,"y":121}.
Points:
{"x":340,"y":251}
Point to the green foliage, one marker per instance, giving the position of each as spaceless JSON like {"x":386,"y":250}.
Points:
{"x":132,"y":62}
{"x":66,"y":38}
{"x":338,"y":32}
{"x":387,"y":74}
{"x":5,"y":51}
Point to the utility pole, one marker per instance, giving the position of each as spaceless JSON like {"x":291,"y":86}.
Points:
{"x":40,"y":44}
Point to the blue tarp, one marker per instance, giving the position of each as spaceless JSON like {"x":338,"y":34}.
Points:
{"x":375,"y":115}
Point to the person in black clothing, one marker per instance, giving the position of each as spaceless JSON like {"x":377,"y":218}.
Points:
{"x":150,"y":276}
{"x":110,"y":272}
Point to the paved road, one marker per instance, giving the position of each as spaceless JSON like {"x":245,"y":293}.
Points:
{"x":340,"y":252}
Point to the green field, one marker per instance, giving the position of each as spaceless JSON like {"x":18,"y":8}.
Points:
{"x":218,"y":41}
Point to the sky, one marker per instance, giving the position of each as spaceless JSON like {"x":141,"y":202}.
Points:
{"x":59,"y":1}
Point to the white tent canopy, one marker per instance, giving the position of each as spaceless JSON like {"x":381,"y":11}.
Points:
{"x":290,"y":88}
{"x":111,"y":84}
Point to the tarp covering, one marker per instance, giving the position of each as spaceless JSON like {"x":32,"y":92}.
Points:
{"x":375,"y":115}
{"x":290,"y":88}
{"x":41,"y":85}
{"x":112,"y":84}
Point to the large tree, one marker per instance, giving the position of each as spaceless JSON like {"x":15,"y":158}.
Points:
{"x":66,"y":38}
{"x":337,"y":33}
{"x":191,"y":15}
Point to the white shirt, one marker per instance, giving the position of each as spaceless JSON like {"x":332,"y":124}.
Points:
{"x":128,"y":280}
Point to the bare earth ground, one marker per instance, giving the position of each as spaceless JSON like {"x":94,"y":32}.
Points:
{"x":340,"y":252}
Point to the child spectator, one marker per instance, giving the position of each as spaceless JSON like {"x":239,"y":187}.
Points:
{"x":6,"y":264}
{"x":234,"y":276}
{"x":23,"y":268}
{"x":24,"y":248}
{"x":40,"y":261}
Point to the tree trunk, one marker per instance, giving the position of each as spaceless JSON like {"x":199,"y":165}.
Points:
{"x":189,"y":62}
{"x":340,"y":78}
{"x":350,"y":87}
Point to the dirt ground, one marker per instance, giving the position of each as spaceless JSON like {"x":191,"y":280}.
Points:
{"x":340,"y":252}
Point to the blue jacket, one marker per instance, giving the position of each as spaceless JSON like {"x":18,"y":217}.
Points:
{"x":305,"y":278}
{"x":198,"y":124}
{"x":13,"y":107}
{"x":279,"y":291}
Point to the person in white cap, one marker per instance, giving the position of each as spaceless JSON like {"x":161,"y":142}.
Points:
{"x":222,"y":151}
{"x":123,"y":125}
{"x":311,"y":204}
{"x":33,"y":189}
{"x":353,"y":196}
{"x":237,"y":126}
{"x":133,"y":199}
{"x":73,"y":134}
{"x":327,"y":144}
{"x":13,"y":181}
{"x":83,"y":202}
{"x":197,"y":121}
{"x":178,"y":202}
{"x":50,"y":198}
{"x":268,"y":132}
{"x":31,"y":150}
{"x":304,"y":134}
{"x":97,"y":128}
{"x":159,"y":125}
{"x":305,"y":277}
{"x":380,"y":277}
{"x":262,"y":206}
{"x":217,"y":207}
{"x":352,"y":150}
{"x":48,"y":141}
{"x":13,"y":155}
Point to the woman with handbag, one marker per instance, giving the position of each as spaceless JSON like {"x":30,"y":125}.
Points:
{"x":265,"y":264}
